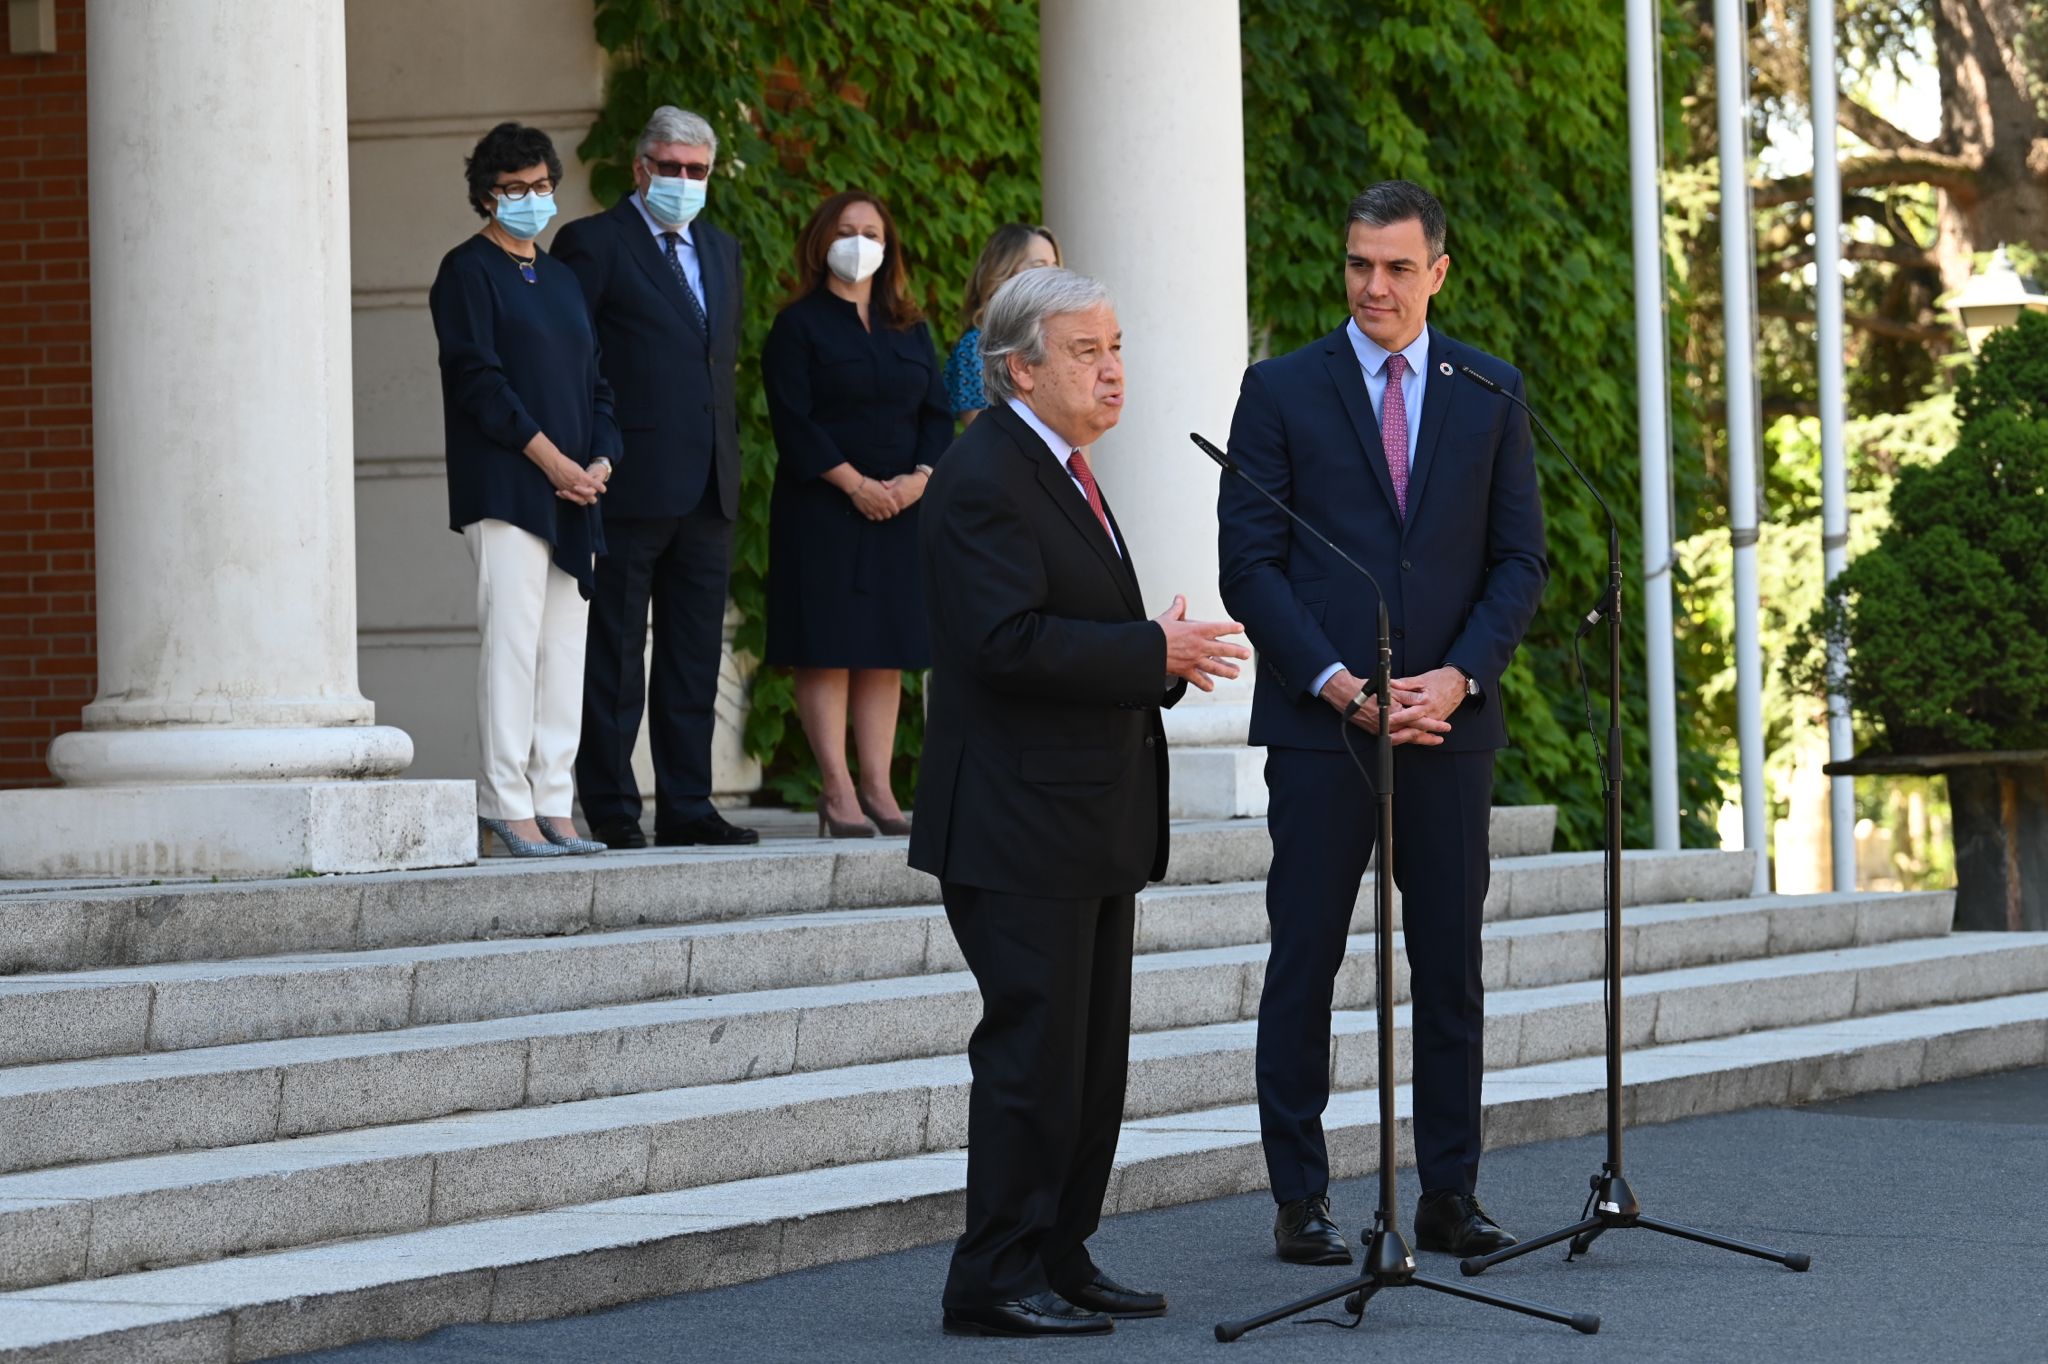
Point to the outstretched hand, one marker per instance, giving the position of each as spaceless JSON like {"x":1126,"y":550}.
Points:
{"x":1195,"y":649}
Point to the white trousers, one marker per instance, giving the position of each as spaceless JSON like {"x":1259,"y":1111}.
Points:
{"x":529,"y":676}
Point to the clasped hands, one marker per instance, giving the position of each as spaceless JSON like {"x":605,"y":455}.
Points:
{"x":1422,"y":704}
{"x":1195,"y":649}
{"x":878,"y":499}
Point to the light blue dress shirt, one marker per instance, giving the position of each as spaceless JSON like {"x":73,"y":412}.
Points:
{"x":1372,"y":359}
{"x":1061,"y":451}
{"x":686,"y":250}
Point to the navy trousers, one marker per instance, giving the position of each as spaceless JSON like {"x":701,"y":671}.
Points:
{"x":679,"y":565}
{"x":1323,"y":822}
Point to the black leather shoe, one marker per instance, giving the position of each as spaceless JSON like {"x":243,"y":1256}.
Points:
{"x":1455,"y":1224}
{"x":620,"y":835}
{"x":1105,"y":1295}
{"x":710,"y":830}
{"x":1303,"y":1234}
{"x":1041,"y":1314}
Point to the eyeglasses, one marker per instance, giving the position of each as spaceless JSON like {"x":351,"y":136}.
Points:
{"x":675,"y":170}
{"x":516,"y":190}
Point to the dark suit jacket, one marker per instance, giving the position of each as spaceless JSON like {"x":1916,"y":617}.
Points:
{"x":1462,"y":575}
{"x":1044,"y":767}
{"x":673,"y":394}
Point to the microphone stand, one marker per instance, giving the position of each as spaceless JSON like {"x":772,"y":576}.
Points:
{"x":1612,"y":1205}
{"x":1388,"y":1262}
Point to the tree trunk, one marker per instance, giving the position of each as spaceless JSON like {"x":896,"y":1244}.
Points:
{"x":1990,"y":115}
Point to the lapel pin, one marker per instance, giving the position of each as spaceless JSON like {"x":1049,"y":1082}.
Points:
{"x":1444,"y":368}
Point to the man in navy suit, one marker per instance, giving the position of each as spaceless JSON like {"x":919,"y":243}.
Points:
{"x":665,"y":294}
{"x":1428,"y":480}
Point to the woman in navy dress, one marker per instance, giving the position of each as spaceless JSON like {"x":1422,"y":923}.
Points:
{"x":530,"y":442}
{"x":860,"y":417}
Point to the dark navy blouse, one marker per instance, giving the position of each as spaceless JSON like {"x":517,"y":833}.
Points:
{"x":516,"y":359}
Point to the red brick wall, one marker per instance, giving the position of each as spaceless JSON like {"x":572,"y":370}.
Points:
{"x":47,"y":664}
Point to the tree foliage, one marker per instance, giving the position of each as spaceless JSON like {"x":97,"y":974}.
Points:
{"x":1945,"y":621}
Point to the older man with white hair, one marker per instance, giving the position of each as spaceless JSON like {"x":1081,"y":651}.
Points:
{"x":1042,"y":798}
{"x":664,"y":290}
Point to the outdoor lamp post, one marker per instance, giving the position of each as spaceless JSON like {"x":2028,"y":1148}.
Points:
{"x":1993,"y":298}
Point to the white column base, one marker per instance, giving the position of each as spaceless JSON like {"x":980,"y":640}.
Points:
{"x":1216,"y":773}
{"x":237,"y":828}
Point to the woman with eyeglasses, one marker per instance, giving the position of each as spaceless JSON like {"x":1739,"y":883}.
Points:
{"x":530,"y":445}
{"x":860,"y":417}
{"x":1013,"y":249}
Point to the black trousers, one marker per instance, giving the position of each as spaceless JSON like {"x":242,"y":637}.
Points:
{"x":1049,"y":1059}
{"x":679,"y":564}
{"x":1322,"y":821}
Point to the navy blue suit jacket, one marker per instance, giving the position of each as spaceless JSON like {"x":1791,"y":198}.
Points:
{"x":1462,"y":575}
{"x":674,"y":395}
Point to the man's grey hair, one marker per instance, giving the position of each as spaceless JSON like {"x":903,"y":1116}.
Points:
{"x":670,"y":124}
{"x":1398,"y":201}
{"x":1016,"y":318}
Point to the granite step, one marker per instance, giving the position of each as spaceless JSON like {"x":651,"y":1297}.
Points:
{"x":116,"y":1216}
{"x":51,"y":1017}
{"x":615,"y":1250}
{"x":101,"y":1108}
{"x":91,"y":926}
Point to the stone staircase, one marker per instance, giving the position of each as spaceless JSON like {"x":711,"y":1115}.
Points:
{"x":238,"y":1121}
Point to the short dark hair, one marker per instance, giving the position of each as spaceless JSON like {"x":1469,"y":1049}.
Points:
{"x":1397,"y":201}
{"x":505,"y":148}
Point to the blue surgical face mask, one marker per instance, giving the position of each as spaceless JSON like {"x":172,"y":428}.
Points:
{"x":525,"y":218}
{"x":674,"y":200}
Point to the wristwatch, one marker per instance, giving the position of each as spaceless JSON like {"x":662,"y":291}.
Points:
{"x":1471,"y":682}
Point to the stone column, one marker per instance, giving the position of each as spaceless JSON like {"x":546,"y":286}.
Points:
{"x":229,"y":734}
{"x":1142,"y":118}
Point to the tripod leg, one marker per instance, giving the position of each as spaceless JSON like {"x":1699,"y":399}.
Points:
{"x":1789,"y":1259}
{"x":1479,"y":1264}
{"x":1583,"y":1242}
{"x":1585,"y":1323}
{"x":1227,"y":1331}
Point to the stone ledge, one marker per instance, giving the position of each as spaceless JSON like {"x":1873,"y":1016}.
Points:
{"x":237,"y":828}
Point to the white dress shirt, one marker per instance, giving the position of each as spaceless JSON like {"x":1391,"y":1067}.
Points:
{"x":1372,"y":360}
{"x":686,"y":250}
{"x":1061,"y":451}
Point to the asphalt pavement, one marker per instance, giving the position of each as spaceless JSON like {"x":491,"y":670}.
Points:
{"x":1925,"y":1211}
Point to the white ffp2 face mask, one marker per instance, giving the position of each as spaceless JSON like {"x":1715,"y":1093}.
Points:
{"x":853,"y":259}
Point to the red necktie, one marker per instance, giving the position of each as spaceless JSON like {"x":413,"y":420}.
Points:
{"x":1394,"y":430}
{"x":1077,"y":465}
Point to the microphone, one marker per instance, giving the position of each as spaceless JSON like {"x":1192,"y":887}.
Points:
{"x":1606,"y":603}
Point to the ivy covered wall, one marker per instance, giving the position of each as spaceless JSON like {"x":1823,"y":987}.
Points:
{"x":1514,"y":114}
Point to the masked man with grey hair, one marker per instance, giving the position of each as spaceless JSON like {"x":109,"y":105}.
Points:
{"x":664,"y":290}
{"x":1042,"y":798}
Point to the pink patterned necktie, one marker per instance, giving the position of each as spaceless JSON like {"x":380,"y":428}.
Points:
{"x":1077,"y":464}
{"x":1394,"y":430}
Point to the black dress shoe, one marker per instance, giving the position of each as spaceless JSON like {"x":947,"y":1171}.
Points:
{"x":1105,"y":1295}
{"x":1455,"y":1224}
{"x":1303,"y":1234}
{"x":710,"y":830}
{"x":620,"y":835}
{"x":1041,"y":1314}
